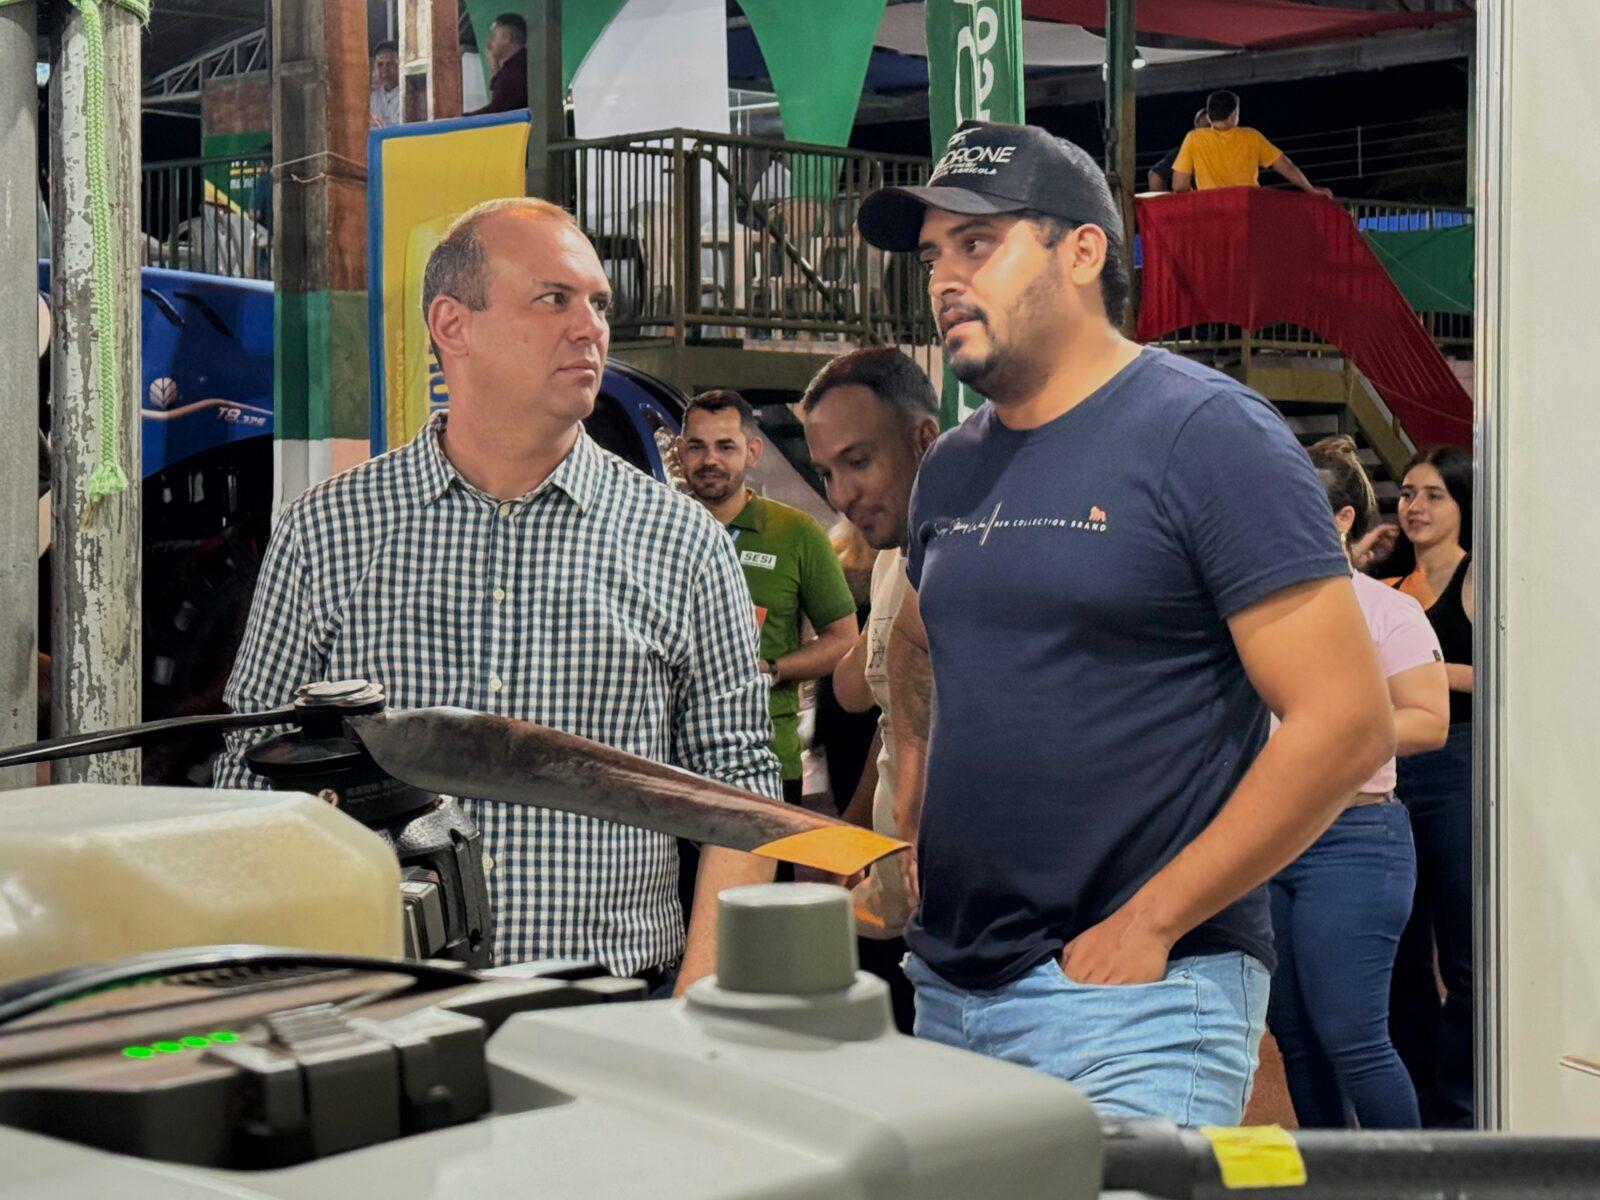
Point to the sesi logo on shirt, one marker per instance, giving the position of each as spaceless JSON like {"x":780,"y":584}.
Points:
{"x":754,"y":558}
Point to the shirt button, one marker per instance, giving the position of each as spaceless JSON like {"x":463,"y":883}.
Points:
{"x":505,"y":508}
{"x":494,"y":683}
{"x":499,"y":595}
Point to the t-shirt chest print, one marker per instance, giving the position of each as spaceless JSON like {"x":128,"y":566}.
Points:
{"x":1093,"y":519}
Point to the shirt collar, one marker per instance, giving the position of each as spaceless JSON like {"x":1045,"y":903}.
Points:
{"x":752,"y":516}
{"x":577,"y":476}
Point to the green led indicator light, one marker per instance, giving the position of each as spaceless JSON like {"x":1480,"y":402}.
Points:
{"x":194,"y":1041}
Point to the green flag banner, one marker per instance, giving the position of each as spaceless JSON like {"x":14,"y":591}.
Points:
{"x":1431,"y":267}
{"x":817,"y":58}
{"x":974,"y":73}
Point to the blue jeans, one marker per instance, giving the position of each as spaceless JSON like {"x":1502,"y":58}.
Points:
{"x":1183,"y":1048}
{"x":1434,"y":1040}
{"x":1337,"y":913}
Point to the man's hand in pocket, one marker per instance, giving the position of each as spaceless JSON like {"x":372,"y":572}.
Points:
{"x":1119,"y":950}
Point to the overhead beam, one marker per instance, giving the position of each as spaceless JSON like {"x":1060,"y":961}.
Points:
{"x":1081,"y":85}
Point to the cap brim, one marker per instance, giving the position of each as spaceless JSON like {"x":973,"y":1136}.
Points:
{"x":891,"y":218}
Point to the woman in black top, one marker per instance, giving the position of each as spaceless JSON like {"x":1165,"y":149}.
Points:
{"x":1432,"y":562}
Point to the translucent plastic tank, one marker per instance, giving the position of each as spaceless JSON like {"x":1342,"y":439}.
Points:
{"x":91,"y":872}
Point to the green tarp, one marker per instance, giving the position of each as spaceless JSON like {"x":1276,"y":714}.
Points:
{"x":1431,"y":267}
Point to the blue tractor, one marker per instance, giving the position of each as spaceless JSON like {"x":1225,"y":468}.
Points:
{"x":206,"y":422}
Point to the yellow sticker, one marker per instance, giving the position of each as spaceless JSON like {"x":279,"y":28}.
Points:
{"x":839,"y":849}
{"x":1256,"y":1156}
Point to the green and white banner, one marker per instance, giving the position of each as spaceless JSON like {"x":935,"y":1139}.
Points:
{"x":974,"y":73}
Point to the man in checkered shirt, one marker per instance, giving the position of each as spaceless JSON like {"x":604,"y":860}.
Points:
{"x":503,"y":562}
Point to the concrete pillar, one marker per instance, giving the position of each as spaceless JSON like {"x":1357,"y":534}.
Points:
{"x":19,"y":382}
{"x":95,"y":561}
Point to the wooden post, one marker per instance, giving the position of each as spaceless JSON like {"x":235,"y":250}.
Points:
{"x":546,"y":100}
{"x":19,"y":383}
{"x":430,"y":52}
{"x":320,"y":120}
{"x":1120,"y":126}
{"x":95,"y":559}
{"x":444,"y":53}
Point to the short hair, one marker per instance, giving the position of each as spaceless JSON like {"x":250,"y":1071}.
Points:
{"x":720,"y":400}
{"x":1221,"y":105}
{"x":457,"y":266}
{"x":386,"y":44}
{"x":892,"y":377}
{"x":513,"y":24}
{"x":1201,"y":115}
{"x":1116,"y":285}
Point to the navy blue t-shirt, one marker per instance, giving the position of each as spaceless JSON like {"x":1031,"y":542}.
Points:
{"x":1090,"y":713}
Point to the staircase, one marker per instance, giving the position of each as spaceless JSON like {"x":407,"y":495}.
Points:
{"x":1323,"y":394}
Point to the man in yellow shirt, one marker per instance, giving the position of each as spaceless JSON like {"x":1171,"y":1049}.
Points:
{"x":1231,"y":155}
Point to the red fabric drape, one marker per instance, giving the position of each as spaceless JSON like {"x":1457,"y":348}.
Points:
{"x":1254,"y":257}
{"x":1257,"y":24}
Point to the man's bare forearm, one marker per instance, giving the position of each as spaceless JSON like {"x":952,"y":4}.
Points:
{"x":850,"y":678}
{"x":910,"y":715}
{"x":1301,"y":781}
{"x":859,"y":810}
{"x":1285,"y":167}
{"x":719,"y":868}
{"x":820,"y":655}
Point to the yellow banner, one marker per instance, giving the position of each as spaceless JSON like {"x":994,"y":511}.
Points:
{"x":419,"y":179}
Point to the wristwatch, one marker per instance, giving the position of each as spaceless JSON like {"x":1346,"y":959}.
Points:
{"x":769,"y":668}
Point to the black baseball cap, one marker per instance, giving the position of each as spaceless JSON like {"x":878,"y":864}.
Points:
{"x":995,"y":169}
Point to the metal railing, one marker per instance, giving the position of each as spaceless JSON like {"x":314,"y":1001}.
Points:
{"x":1393,"y":216}
{"x":212,"y":215}
{"x":1452,"y":332}
{"x":717,"y":236}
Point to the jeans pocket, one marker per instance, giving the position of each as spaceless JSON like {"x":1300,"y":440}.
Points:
{"x":1177,"y":975}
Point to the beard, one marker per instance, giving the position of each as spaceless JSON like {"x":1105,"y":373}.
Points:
{"x":713,"y":487}
{"x":1017,"y":366}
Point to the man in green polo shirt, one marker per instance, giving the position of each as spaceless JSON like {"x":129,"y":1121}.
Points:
{"x":788,"y":563}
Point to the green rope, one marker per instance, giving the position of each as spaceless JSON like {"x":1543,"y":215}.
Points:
{"x":108,"y":477}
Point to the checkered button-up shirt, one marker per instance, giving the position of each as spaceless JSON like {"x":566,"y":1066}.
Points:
{"x":601,"y":603}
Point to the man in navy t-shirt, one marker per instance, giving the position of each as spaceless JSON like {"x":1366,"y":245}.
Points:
{"x":1118,"y":565}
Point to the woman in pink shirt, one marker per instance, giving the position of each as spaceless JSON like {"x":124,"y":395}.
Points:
{"x":1338,"y":910}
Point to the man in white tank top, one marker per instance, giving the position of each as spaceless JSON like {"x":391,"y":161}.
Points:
{"x":869,"y":417}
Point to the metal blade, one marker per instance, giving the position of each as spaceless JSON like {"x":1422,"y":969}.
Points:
{"x":77,"y":744}
{"x":462,"y":753}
